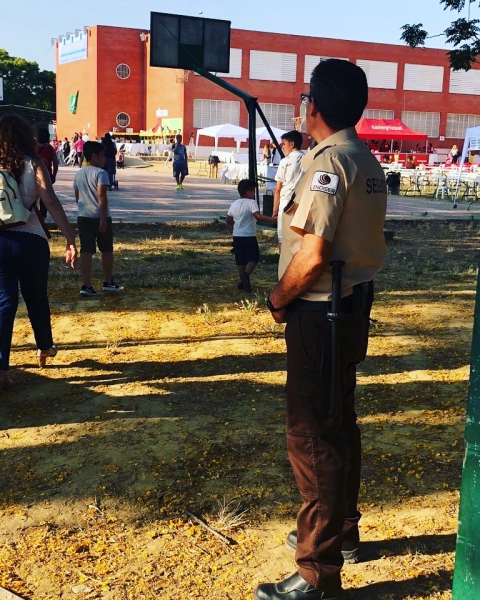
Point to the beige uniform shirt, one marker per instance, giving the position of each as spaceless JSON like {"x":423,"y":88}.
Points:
{"x":342,"y":198}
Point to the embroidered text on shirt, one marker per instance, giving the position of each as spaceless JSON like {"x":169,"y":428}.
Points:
{"x":324,"y":182}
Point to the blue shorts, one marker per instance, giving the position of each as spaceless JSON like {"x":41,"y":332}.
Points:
{"x":180,"y":168}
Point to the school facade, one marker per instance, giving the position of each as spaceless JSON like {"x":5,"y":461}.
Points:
{"x":105,"y":83}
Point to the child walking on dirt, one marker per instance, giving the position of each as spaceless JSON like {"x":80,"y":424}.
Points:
{"x":94,"y":220}
{"x":243,"y":215}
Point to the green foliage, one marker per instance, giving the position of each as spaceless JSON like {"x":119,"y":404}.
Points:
{"x":462,"y":33}
{"x":414,"y":35}
{"x":25,"y":84}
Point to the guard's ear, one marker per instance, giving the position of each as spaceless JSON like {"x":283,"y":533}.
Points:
{"x":313,"y":108}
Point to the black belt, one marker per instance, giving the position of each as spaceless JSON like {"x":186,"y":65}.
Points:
{"x":301,"y":305}
{"x":359,"y":301}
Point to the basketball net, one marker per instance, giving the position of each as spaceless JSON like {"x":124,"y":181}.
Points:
{"x":181,"y":75}
{"x":298,"y":122}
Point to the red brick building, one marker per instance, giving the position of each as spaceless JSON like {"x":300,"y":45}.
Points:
{"x":118,"y":89}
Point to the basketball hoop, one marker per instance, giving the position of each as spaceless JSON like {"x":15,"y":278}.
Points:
{"x":181,"y":75}
{"x":298,"y":122}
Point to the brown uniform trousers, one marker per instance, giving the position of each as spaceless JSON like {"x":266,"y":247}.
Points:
{"x":326,"y":460}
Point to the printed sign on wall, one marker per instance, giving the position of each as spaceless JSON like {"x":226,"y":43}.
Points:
{"x":74,"y":48}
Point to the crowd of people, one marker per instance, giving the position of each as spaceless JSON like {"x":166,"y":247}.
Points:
{"x":70,"y":152}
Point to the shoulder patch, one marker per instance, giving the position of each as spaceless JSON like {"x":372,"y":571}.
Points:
{"x":324,"y":182}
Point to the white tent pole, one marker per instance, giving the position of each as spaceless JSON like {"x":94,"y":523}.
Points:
{"x":196,"y":145}
{"x":466,"y":145}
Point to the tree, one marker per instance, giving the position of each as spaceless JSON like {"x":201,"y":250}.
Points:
{"x":25,"y":84}
{"x":462,"y":33}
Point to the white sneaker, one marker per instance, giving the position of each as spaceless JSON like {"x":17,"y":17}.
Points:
{"x":111,"y":287}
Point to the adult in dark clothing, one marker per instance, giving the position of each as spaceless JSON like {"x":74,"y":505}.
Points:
{"x":110,"y":150}
{"x":66,"y":149}
{"x":49,"y":157}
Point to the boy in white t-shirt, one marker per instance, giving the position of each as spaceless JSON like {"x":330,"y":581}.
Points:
{"x":243,"y":215}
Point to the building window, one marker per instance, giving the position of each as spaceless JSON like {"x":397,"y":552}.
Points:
{"x":465,"y":82}
{"x":423,"y":122}
{"x":123,"y":71}
{"x":278,"y":115}
{"x":423,"y":78}
{"x":380,"y":74}
{"x":235,"y":64}
{"x":311,"y":62}
{"x":207,"y":113}
{"x":273,"y":66}
{"x":123,"y":120}
{"x":457,"y":124}
{"x":378,"y":113}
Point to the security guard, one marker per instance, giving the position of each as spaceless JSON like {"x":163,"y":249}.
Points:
{"x":337,"y":213}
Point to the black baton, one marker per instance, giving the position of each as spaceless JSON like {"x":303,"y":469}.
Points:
{"x":335,"y":316}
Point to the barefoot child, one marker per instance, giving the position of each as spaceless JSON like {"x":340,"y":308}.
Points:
{"x":243,"y":214}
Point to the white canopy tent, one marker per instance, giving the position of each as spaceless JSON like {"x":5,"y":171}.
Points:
{"x":472,"y":142}
{"x":261,"y":133}
{"x":227,"y":130}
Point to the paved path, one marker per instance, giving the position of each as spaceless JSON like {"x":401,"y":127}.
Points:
{"x":145,"y":196}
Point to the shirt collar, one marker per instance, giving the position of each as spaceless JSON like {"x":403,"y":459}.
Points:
{"x":338,"y":138}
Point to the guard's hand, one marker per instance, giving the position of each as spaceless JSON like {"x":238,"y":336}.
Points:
{"x":71,"y":255}
{"x":103,"y":226}
{"x":280,"y":316}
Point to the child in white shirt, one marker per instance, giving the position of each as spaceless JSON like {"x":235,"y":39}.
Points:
{"x":243,"y":215}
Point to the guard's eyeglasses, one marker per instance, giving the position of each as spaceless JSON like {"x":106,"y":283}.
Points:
{"x":305,"y":98}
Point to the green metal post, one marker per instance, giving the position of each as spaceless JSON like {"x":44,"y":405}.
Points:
{"x":466,"y":579}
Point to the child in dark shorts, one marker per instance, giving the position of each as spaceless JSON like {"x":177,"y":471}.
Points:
{"x":243,"y":215}
{"x":94,"y":221}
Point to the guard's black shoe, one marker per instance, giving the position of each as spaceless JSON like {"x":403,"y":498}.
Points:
{"x":350,"y":551}
{"x":295,"y":588}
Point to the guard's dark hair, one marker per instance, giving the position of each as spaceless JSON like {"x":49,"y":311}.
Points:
{"x":244,"y":186}
{"x":43,"y":135}
{"x":91,"y":148}
{"x":339,"y":90}
{"x":295,"y":137}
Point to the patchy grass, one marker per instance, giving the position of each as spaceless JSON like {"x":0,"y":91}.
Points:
{"x":168,"y":399}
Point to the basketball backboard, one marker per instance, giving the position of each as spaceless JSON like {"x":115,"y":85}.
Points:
{"x":182,"y":42}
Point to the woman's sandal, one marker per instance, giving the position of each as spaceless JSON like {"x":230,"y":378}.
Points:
{"x":5,"y":380}
{"x":42,"y":355}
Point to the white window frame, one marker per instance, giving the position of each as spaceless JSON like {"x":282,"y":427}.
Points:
{"x":311,"y":62}
{"x":423,"y":122}
{"x":465,"y":82}
{"x":273,"y":66}
{"x":380,"y":74}
{"x":236,"y":55}
{"x":423,"y":78}
{"x":119,"y":115}
{"x":457,"y":124}
{"x":378,"y":113}
{"x":207,"y":112}
{"x":273,"y":113}
{"x":123,"y":71}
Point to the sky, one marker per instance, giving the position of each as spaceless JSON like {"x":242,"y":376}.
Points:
{"x":28,"y":26}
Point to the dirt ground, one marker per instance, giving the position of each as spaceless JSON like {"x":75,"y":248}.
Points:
{"x":166,"y":403}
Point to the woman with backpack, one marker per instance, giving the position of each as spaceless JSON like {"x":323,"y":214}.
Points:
{"x":24,"y":249}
